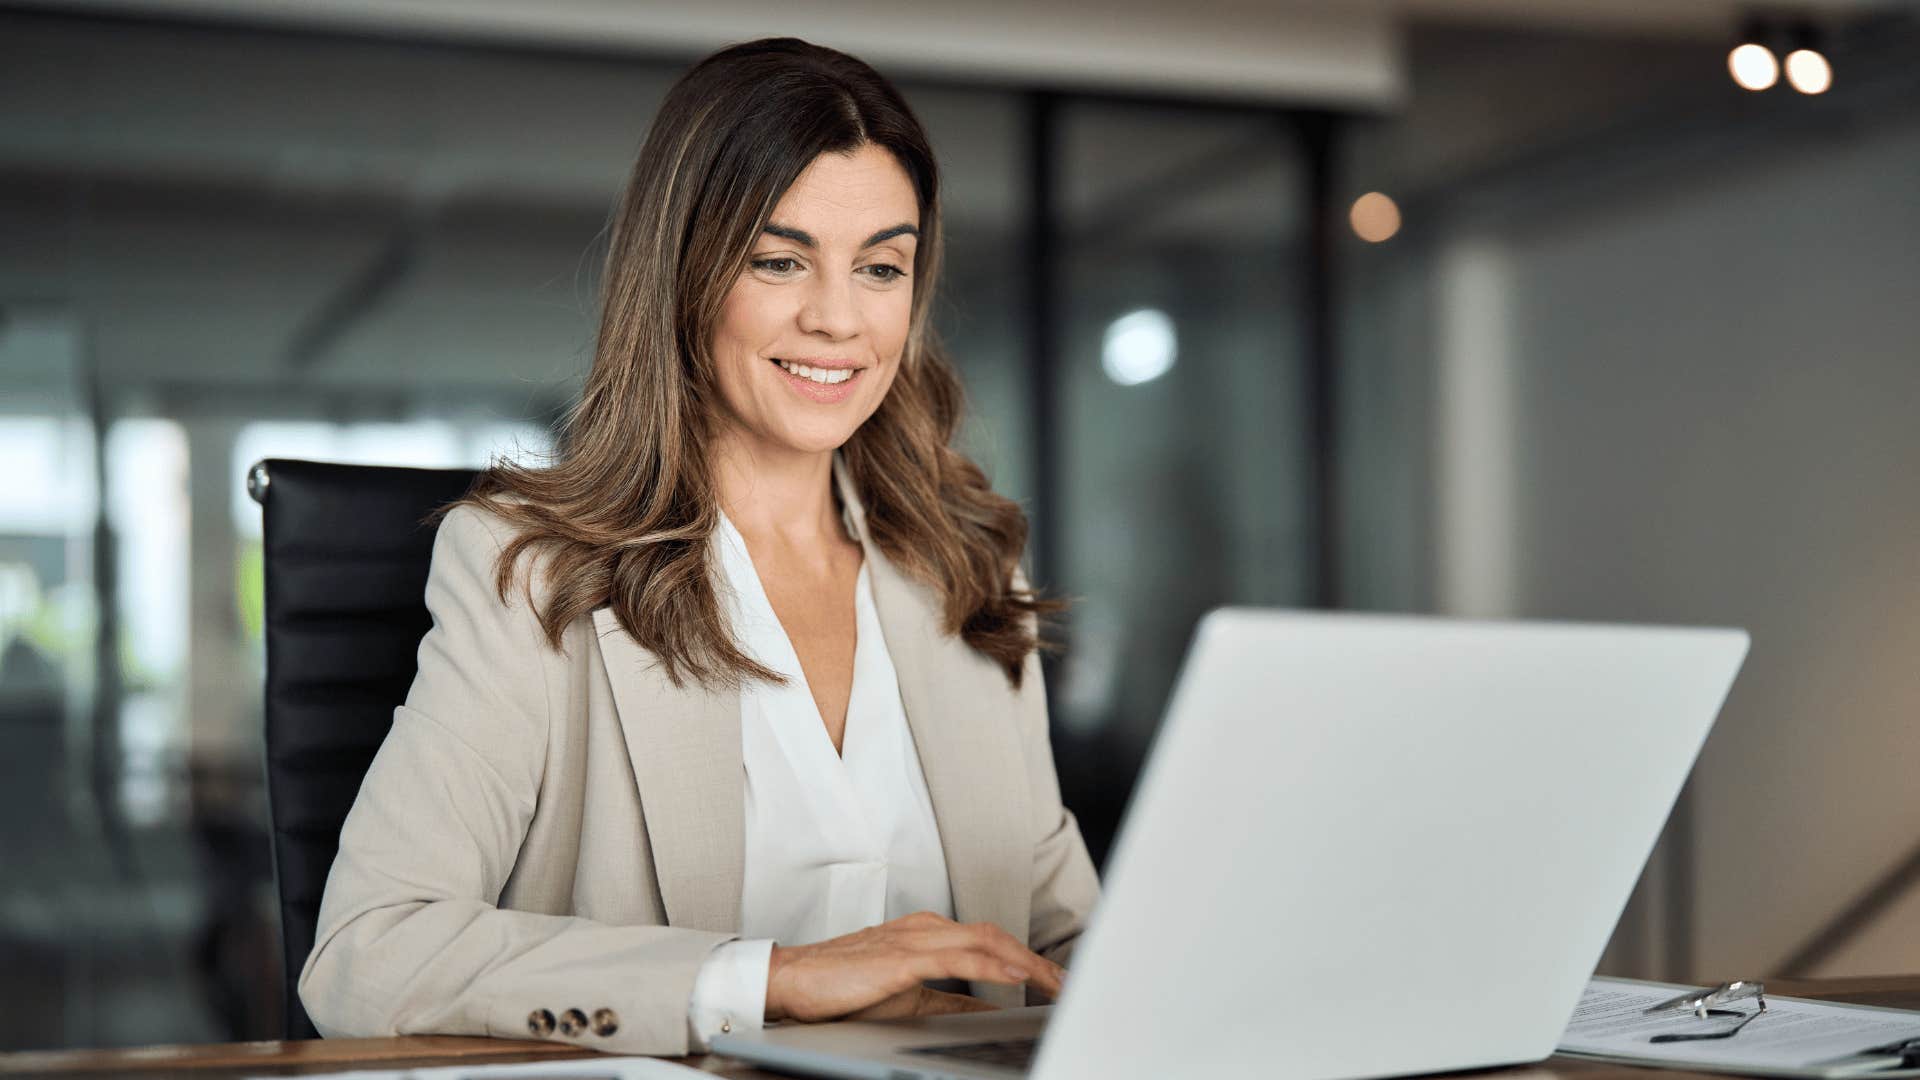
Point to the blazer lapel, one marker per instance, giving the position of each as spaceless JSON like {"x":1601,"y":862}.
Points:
{"x":685,"y":745}
{"x":973,"y":763}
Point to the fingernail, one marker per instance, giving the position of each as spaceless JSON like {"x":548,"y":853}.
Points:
{"x":1018,"y":974}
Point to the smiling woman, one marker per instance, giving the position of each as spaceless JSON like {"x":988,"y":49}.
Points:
{"x":826,"y":308}
{"x":732,"y":710}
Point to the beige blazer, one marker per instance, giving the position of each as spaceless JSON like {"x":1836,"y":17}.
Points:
{"x":544,"y":832}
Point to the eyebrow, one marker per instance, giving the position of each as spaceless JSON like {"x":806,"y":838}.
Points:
{"x":805,"y":239}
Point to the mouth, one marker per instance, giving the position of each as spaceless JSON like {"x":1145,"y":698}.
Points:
{"x":824,"y":376}
{"x":820,"y":385}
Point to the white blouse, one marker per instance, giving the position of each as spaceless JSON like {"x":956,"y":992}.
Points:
{"x":834,"y":842}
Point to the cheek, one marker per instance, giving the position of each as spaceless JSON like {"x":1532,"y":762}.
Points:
{"x":890,"y":323}
{"x":745,"y":317}
{"x":882,"y":385}
{"x":746,"y":322}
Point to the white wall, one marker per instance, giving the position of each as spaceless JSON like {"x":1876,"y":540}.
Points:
{"x":1713,"y":390}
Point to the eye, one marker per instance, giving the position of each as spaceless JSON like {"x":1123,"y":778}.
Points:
{"x":777,"y":265}
{"x":891,"y":272}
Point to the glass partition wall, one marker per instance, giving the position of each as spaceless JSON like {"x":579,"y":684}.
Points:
{"x":1183,"y":471}
{"x":228,"y":243}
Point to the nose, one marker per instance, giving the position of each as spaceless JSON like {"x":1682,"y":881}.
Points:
{"x":830,"y":308}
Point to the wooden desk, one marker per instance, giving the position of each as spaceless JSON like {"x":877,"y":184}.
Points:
{"x":317,"y":1055}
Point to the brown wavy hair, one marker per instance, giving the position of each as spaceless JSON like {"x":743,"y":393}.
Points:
{"x":622,"y":514}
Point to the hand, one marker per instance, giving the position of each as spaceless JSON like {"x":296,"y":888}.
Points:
{"x":919,"y":1001}
{"x":860,"y":970}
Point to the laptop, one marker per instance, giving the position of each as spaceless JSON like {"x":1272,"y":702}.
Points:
{"x":1362,"y":846}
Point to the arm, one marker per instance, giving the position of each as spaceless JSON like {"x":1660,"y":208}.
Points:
{"x":1065,"y":886}
{"x":409,"y":939}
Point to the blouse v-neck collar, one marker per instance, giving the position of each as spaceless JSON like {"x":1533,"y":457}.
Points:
{"x":766,"y":640}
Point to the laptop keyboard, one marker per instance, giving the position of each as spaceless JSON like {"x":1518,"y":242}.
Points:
{"x":1007,"y":1053}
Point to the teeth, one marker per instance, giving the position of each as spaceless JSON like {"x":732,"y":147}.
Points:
{"x":819,"y":375}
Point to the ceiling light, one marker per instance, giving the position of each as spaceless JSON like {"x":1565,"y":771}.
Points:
{"x":1807,"y":67}
{"x":1809,"y":71}
{"x":1753,"y":66}
{"x":1375,"y":217}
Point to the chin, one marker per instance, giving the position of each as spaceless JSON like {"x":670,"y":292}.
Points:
{"x":813,"y":439}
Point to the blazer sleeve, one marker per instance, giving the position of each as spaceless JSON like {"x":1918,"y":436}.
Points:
{"x":410,"y":940}
{"x":1065,"y":886}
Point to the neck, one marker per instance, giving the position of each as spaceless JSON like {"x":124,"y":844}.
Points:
{"x":770,"y":493}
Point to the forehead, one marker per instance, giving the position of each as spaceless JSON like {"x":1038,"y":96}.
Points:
{"x":865,"y":188}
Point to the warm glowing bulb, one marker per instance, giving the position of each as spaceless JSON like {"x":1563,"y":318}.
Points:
{"x":1753,"y":66}
{"x":1809,"y":72}
{"x":1375,"y":217}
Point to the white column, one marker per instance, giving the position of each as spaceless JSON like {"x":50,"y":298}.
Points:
{"x":221,"y":688}
{"x":1475,"y":523}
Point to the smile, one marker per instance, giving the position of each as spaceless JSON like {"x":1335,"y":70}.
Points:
{"x":825,"y":376}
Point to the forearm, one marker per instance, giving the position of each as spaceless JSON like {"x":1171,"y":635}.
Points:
{"x":1065,"y":884}
{"x":463,"y":967}
{"x":1065,"y":889}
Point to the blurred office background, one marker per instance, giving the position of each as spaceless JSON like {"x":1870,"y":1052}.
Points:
{"x":1630,"y":342}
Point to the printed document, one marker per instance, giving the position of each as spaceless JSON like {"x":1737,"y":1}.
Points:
{"x":589,"y":1068}
{"x":1795,"y":1037}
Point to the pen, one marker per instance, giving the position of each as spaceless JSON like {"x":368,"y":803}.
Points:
{"x":1903,"y":1054}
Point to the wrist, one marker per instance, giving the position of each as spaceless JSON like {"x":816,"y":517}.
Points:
{"x":776,"y":1005}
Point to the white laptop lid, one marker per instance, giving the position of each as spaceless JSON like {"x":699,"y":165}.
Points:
{"x":1377,"y":845}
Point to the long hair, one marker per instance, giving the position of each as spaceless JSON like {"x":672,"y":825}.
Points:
{"x":621,"y":517}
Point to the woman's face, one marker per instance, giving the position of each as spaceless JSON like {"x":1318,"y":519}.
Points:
{"x":810,"y":336}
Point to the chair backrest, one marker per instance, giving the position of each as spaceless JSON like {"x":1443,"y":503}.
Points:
{"x":346,"y":553}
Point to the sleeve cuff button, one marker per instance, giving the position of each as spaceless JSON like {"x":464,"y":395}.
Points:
{"x":605,"y":1022}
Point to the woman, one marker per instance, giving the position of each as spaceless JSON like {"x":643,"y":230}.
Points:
{"x":733,"y":712}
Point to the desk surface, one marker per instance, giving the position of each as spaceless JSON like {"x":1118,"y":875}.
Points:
{"x":313,"y":1056}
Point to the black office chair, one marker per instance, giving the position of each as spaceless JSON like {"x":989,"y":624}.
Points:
{"x":347,"y":549}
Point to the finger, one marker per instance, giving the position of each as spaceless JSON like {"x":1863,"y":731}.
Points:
{"x":1058,"y":974}
{"x":924,"y":920}
{"x":1042,"y":972}
{"x":988,"y":936}
{"x":939,"y":1002}
{"x":979,"y":965}
{"x":1050,"y":995}
{"x":936,"y":934}
{"x":893,"y":1007}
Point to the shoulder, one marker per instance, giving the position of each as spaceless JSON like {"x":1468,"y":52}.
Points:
{"x":471,"y":542}
{"x":498,"y":627}
{"x":468,"y":545}
{"x":469,"y":527}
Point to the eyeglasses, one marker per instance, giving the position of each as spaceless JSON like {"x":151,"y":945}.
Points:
{"x":1701,"y":1003}
{"x":1907,"y":1049}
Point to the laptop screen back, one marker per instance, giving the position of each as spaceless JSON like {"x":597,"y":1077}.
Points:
{"x":1378,"y":845}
